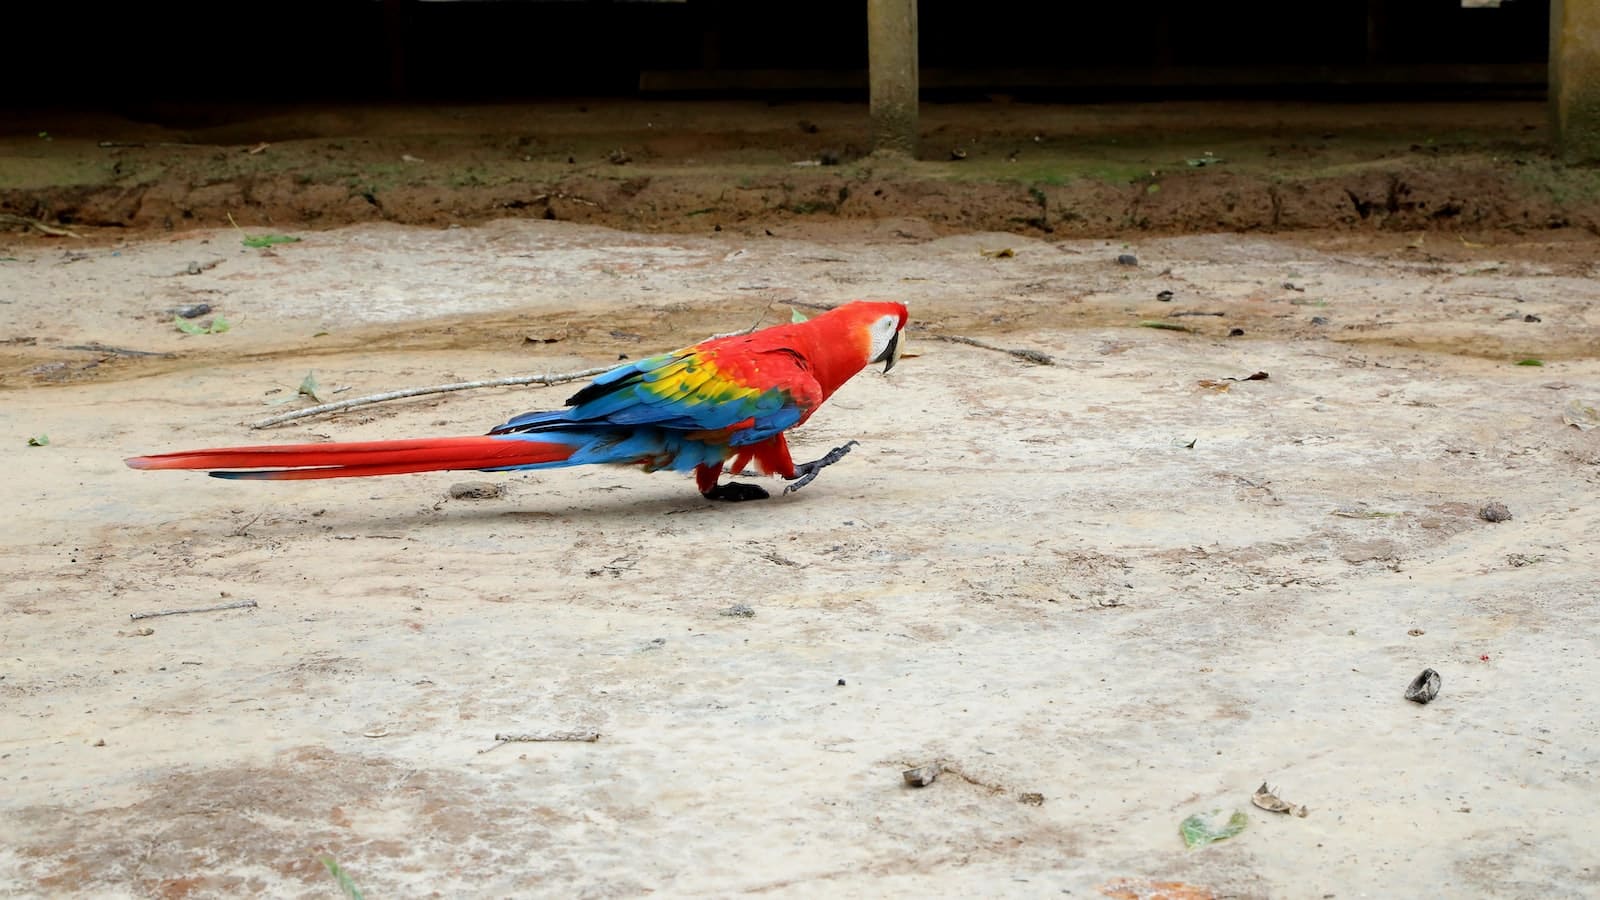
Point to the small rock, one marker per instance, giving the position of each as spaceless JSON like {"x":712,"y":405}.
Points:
{"x":1424,"y":687}
{"x":192,"y":312}
{"x":841,"y":682}
{"x":1236,"y":332}
{"x":1530,"y":317}
{"x":100,"y":743}
{"x":477,"y":490}
{"x":958,"y":154}
{"x":1495,"y":512}
{"x":1127,"y":259}
{"x":619,"y":157}
{"x":740,"y":611}
{"x":1031,"y":799}
{"x":1319,"y":320}
{"x":922,"y":776}
{"x":1164,"y":296}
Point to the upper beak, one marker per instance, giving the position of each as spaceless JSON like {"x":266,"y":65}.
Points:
{"x":891,"y":353}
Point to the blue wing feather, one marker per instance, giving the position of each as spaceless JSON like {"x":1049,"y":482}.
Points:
{"x":675,"y":391}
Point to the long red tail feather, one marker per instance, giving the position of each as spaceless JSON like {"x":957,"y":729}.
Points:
{"x":285,"y":462}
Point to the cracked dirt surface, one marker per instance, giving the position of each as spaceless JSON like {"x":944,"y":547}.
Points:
{"x":1119,"y":582}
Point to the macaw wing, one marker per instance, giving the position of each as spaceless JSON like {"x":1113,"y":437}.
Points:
{"x":748,"y":396}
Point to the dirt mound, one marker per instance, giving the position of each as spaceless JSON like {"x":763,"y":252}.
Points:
{"x":696,"y":168}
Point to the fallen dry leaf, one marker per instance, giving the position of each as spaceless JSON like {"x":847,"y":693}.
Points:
{"x":1267,"y":799}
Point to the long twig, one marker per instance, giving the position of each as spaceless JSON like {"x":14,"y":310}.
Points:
{"x":581,"y":736}
{"x":421,"y":391}
{"x":97,"y":347}
{"x":1033,"y":356}
{"x":31,"y":222}
{"x":241,"y":604}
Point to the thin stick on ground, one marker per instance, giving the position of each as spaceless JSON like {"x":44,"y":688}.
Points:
{"x":580,"y":736}
{"x":42,"y":227}
{"x":1033,"y":356}
{"x":240,"y":604}
{"x":423,"y":391}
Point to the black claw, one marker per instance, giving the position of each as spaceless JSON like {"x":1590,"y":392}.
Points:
{"x":805,"y":472}
{"x":736,"y":492}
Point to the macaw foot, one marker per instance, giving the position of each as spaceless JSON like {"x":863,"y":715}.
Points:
{"x":806,"y":471}
{"x":736,"y":492}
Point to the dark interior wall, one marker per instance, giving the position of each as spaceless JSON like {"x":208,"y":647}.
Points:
{"x":83,"y":54}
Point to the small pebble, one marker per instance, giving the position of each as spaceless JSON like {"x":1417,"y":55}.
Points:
{"x":193,"y":312}
{"x":1031,"y":799}
{"x":1530,"y":317}
{"x":1495,"y":512}
{"x":1319,"y":320}
{"x":1236,"y":332}
{"x":1127,"y":259}
{"x":1164,"y":296}
{"x":841,"y":682}
{"x":477,"y":490}
{"x":1424,"y":687}
{"x":921,"y":776}
{"x":740,"y":611}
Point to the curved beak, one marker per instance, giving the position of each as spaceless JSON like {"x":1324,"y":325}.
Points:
{"x":891,"y":353}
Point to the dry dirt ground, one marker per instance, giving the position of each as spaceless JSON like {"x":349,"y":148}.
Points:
{"x":1107,"y":593}
{"x":1087,"y":170}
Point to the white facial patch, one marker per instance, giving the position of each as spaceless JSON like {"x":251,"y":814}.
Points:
{"x":883,"y":332}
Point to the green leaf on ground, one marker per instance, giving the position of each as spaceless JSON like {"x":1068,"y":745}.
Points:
{"x":1201,"y":829}
{"x":346,"y":883}
{"x":310,"y":388}
{"x":215,"y":326}
{"x":259,"y":241}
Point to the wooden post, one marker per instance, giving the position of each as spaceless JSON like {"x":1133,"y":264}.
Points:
{"x":892,"y":63}
{"x":1575,"y":79}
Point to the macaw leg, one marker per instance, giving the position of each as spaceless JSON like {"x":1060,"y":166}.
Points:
{"x":804,"y":472}
{"x":733,"y":492}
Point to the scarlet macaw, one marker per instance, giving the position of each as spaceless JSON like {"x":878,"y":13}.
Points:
{"x":727,"y":398}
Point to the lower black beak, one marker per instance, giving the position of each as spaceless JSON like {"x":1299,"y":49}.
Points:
{"x":891,"y":353}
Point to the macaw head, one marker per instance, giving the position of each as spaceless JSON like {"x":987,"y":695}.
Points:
{"x":885,"y":330}
{"x":876,"y":328}
{"x":848,"y":338}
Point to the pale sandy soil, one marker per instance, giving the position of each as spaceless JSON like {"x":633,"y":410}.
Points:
{"x":1099,"y":581}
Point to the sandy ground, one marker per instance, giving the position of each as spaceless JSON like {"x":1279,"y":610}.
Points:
{"x":1108,"y":593}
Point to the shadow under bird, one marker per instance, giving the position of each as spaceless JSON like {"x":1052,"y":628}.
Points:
{"x":722,"y":403}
